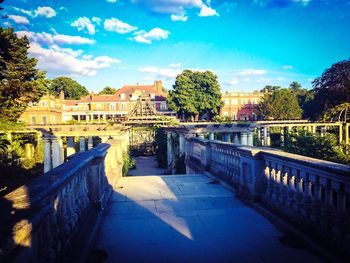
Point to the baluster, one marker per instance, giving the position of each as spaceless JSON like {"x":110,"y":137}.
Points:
{"x":307,"y":197}
{"x":316,"y":203}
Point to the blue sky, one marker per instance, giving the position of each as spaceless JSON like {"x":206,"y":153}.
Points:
{"x":247,"y":43}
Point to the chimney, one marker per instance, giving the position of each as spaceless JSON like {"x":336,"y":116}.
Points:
{"x":61,"y":95}
{"x":158,"y":85}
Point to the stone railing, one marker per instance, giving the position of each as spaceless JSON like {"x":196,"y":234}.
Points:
{"x":41,"y":220}
{"x":311,"y":193}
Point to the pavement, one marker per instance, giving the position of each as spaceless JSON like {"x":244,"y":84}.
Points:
{"x":188,"y":218}
{"x":146,"y":165}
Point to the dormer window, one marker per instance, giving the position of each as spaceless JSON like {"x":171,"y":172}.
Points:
{"x":122,"y":96}
{"x":152,"y":95}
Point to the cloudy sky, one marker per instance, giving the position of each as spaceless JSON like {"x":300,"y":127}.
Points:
{"x":247,"y":43}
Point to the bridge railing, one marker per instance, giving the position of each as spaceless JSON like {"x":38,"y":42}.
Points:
{"x":40,"y":221}
{"x":313,"y":194}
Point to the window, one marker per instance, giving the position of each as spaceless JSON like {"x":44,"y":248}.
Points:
{"x":122,"y":96}
{"x":98,"y":106}
{"x":43,"y":120}
{"x":43,"y":104}
{"x":123,"y":107}
{"x":33,"y":120}
{"x":234,"y":101}
{"x":163,"y":106}
{"x":152,"y":95}
{"x":112,"y":106}
{"x":52,"y":104}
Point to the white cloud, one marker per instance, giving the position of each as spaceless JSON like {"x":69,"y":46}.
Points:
{"x":175,"y":65}
{"x":116,"y":25}
{"x":50,"y":39}
{"x":177,"y":7}
{"x":96,"y":20}
{"x":19,"y":19}
{"x":68,"y":61}
{"x":45,"y":11}
{"x":252,"y":72}
{"x":168,"y":73}
{"x":232,"y":82}
{"x":83,"y":23}
{"x":208,"y":11}
{"x":263,"y":80}
{"x":147,"y":37}
{"x":180,"y":17}
{"x":288,"y":67}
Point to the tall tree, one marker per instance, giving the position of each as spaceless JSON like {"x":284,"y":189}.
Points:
{"x":195,"y":93}
{"x":332,"y":88}
{"x":20,"y":81}
{"x":269,"y":88}
{"x":304,"y":97}
{"x":280,"y":104}
{"x":71,"y":88}
{"x":107,"y":91}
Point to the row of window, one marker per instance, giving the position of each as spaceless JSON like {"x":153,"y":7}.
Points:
{"x":242,"y":101}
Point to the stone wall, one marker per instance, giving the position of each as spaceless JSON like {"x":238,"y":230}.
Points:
{"x":312,"y":194}
{"x":40,"y":221}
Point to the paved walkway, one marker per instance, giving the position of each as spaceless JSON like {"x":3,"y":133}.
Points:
{"x":146,"y":165}
{"x":186,"y":219}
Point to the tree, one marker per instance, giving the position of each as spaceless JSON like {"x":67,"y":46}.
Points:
{"x":295,"y":86}
{"x":332,"y":88}
{"x":195,"y":93}
{"x":269,"y":88}
{"x":72,"y":89}
{"x":20,"y":81}
{"x":107,"y":91}
{"x":280,"y":104}
{"x":304,"y":97}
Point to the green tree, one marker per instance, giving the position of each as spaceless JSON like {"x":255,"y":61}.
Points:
{"x":281,"y":104}
{"x":107,"y":91}
{"x":20,"y":81}
{"x":269,"y":88}
{"x":332,"y":88}
{"x":195,"y":93}
{"x":304,"y":97}
{"x":71,"y":88}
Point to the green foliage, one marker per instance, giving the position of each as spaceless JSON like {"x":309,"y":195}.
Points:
{"x":222,"y":119}
{"x":71,"y":122}
{"x":71,"y":88}
{"x":195,"y":93}
{"x":108,"y":91}
{"x":161,"y":147}
{"x":281,"y":104}
{"x":20,"y":81}
{"x":269,"y":88}
{"x":10,"y":125}
{"x":129,"y":163}
{"x":314,"y":145}
{"x":332,"y":88}
{"x":338,"y":113}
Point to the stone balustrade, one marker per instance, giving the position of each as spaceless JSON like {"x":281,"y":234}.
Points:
{"x":311,"y":193}
{"x":41,"y":220}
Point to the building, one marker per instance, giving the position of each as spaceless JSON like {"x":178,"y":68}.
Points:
{"x":48,"y":110}
{"x":94,"y":107}
{"x":240,"y":105}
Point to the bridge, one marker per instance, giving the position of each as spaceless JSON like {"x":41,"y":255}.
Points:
{"x":236,"y":203}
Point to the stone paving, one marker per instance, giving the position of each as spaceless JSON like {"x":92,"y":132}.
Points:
{"x":146,"y":165}
{"x":185,"y":218}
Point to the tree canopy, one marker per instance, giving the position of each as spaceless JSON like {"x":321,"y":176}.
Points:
{"x":269,"y":88}
{"x":108,"y":91}
{"x":281,"y":104}
{"x":332,"y":88}
{"x":20,"y":81}
{"x":195,"y":93}
{"x":71,"y":88}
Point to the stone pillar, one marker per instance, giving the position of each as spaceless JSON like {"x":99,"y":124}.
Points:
{"x":282,"y":137}
{"x":70,"y":146}
{"x":267,"y":139}
{"x":47,"y":154}
{"x":56,"y":153}
{"x":28,"y":151}
{"x":169,"y":150}
{"x":182,"y":144}
{"x":235,"y":138}
{"x":82,"y":144}
{"x":227,"y":137}
{"x":259,"y":136}
{"x":340,"y":133}
{"x":79,"y":117}
{"x":347,"y":133}
{"x":60,"y":144}
{"x":201,"y":136}
{"x":90,"y":144}
{"x":244,"y":138}
{"x":322,"y":131}
{"x":313,"y":129}
{"x":251,"y":138}
{"x":211,"y":136}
